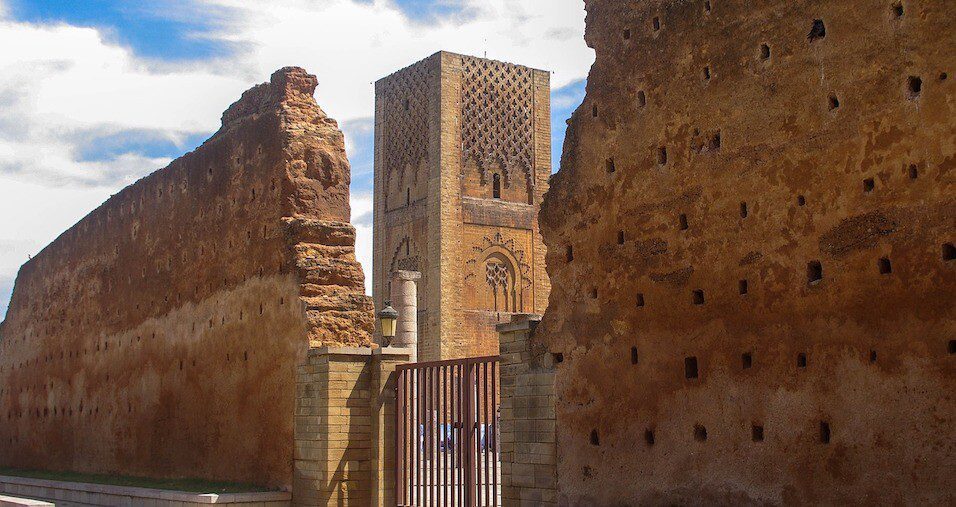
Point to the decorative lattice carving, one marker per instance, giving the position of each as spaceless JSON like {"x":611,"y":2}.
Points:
{"x":485,"y":251}
{"x":497,"y":102}
{"x":406,"y":119}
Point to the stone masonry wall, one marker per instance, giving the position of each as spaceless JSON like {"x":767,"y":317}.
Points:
{"x":159,"y":335}
{"x":750,"y":245}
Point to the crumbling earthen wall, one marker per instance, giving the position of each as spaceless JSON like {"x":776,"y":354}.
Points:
{"x":159,"y":336}
{"x":750,"y":245}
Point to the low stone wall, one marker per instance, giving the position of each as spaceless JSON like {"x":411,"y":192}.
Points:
{"x":345,"y":409}
{"x":103,"y":494}
{"x":528,"y":451}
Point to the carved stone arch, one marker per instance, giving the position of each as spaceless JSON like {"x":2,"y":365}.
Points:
{"x":499,"y":275}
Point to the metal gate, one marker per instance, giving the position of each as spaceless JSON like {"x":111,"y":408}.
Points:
{"x":446,"y":424}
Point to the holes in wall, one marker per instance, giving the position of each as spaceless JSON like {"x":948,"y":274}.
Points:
{"x":872,"y":356}
{"x":595,"y":439}
{"x":756,"y":433}
{"x":824,"y":432}
{"x":952,"y":347}
{"x":656,"y":23}
{"x":640,"y":300}
{"x":707,"y":73}
{"x":814,"y":272}
{"x":746,"y":360}
{"x":649,"y":437}
{"x":641,"y":98}
{"x":833,"y":102}
{"x":914,"y":86}
{"x":707,"y":7}
{"x":594,"y":110}
{"x":620,"y":237}
{"x":802,"y":360}
{"x":627,"y":34}
{"x":764,"y":52}
{"x":949,"y":252}
{"x":884,"y":265}
{"x":569,"y":253}
{"x":662,"y":155}
{"x":609,"y":165}
{"x":700,"y":433}
{"x":742,"y":287}
{"x":714,"y":143}
{"x":682,"y":222}
{"x":405,"y":104}
{"x":690,"y":367}
{"x":801,"y":200}
{"x":897,"y":10}
{"x":913,"y":171}
{"x":743,"y":210}
{"x":557,"y":357}
{"x":408,"y":196}
{"x":698,"y":296}
{"x":633,"y":355}
{"x":868,"y":185}
{"x":943,"y":76}
{"x":818,"y":30}
{"x":594,"y":293}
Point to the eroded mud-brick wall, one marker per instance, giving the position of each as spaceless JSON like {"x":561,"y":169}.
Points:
{"x":750,"y":245}
{"x":159,"y":336}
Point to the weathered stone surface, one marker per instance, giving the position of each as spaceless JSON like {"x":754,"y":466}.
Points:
{"x":159,"y":335}
{"x":814,"y":148}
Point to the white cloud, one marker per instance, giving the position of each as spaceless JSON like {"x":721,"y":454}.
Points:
{"x":62,"y":85}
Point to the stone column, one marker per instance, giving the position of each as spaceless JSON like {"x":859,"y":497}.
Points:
{"x":405,"y":300}
{"x":528,"y":451}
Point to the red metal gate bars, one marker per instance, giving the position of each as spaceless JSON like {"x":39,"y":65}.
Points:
{"x":446,"y":429}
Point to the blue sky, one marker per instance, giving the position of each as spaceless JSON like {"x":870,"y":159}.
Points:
{"x":103,"y":92}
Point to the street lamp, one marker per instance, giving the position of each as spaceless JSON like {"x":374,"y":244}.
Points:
{"x":389,"y":317}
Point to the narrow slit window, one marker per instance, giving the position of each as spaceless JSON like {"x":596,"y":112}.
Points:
{"x":641,"y":98}
{"x":742,"y":287}
{"x":682,"y":220}
{"x":949,"y":252}
{"x":594,"y":110}
{"x":707,"y":73}
{"x":662,"y":155}
{"x":801,"y":360}
{"x":818,"y":30}
{"x":569,"y":253}
{"x":620,"y":237}
{"x":633,"y":355}
{"x":885,"y":266}
{"x":746,"y":360}
{"x":824,"y":432}
{"x":656,"y":23}
{"x":690,"y":367}
{"x":913,"y":171}
{"x":595,"y":440}
{"x":408,"y":196}
{"x":743,"y":210}
{"x":914,"y":86}
{"x":814,"y":272}
{"x":496,"y":186}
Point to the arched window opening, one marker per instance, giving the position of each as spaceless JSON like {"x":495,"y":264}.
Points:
{"x":496,"y":186}
{"x":500,"y":276}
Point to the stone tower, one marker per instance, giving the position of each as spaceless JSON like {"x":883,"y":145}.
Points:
{"x":462,"y":160}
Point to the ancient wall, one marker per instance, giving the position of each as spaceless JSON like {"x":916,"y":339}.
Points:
{"x":462,"y":162}
{"x":159,"y":335}
{"x":750,"y":244}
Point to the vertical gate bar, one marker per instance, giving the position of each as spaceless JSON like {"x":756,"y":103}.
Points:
{"x":494,"y":432}
{"x":413,"y":398}
{"x":399,"y":407}
{"x":459,"y":438}
{"x":477,"y":447}
{"x":444,"y":435}
{"x":469,"y":433}
{"x":419,"y":438}
{"x":484,"y":430}
{"x":429,"y":461}
{"x":438,"y":437}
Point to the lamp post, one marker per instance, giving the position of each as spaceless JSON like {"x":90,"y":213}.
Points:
{"x":389,"y":317}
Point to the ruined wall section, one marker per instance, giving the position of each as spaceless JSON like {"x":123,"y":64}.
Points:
{"x":159,"y":335}
{"x":750,"y":244}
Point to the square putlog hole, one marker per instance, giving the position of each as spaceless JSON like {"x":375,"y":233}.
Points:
{"x":756,"y":433}
{"x":801,"y":360}
{"x":698,"y":297}
{"x":868,"y":185}
{"x":746,"y":360}
{"x":814,"y":272}
{"x":690,"y":367}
